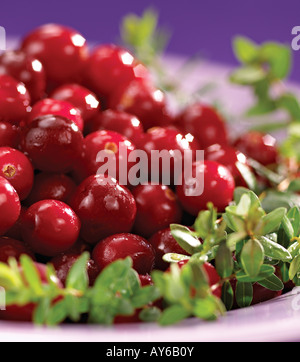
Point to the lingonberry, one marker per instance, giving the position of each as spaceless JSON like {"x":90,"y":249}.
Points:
{"x":10,"y":206}
{"x":157,"y":208}
{"x":51,"y":186}
{"x":213,"y":179}
{"x":50,"y":227}
{"x":14,"y":100}
{"x":53,"y":143}
{"x":259,"y":146}
{"x":120,"y":246}
{"x":124,"y":123}
{"x":205,"y":123}
{"x":26,"y":69}
{"x":163,"y":243}
{"x":104,"y":208}
{"x":80,"y":97}
{"x":141,"y":98}
{"x":15,"y":231}
{"x":9,"y":135}
{"x":61,"y":50}
{"x":12,"y":248}
{"x":17,"y":169}
{"x":56,"y":107}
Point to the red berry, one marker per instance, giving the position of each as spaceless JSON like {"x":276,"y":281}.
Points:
{"x":9,"y":135}
{"x":10,"y":206}
{"x":12,"y":248}
{"x":53,"y":143}
{"x":120,"y":246}
{"x":26,"y":69}
{"x":157,"y":208}
{"x":104,"y":208}
{"x":56,"y":107}
{"x":15,"y":231}
{"x":17,"y":169}
{"x":61,"y":50}
{"x":50,"y":227}
{"x":204,"y":123}
{"x":14,"y":100}
{"x":218,"y":186}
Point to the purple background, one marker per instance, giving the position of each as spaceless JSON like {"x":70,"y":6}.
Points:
{"x":197,"y":25}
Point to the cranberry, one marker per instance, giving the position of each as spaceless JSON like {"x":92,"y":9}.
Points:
{"x":228,"y":156}
{"x":124,"y":123}
{"x":14,"y":100}
{"x":61,"y":50}
{"x":15,"y":231}
{"x":13,"y":248}
{"x":157,"y":208}
{"x":120,"y":246}
{"x":163,"y":243}
{"x":17,"y":169}
{"x":50,"y":227}
{"x":53,"y":143}
{"x":51,"y":186}
{"x":143,"y":100}
{"x":259,"y":146}
{"x":80,"y":97}
{"x":218,"y":186}
{"x":204,"y":123}
{"x":9,"y":135}
{"x":104,"y":208}
{"x":56,"y":107}
{"x":26,"y":69}
{"x":110,"y":67}
{"x":10,"y":206}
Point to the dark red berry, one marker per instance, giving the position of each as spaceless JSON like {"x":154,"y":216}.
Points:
{"x":157,"y":208}
{"x":104,"y":208}
{"x":9,"y":135}
{"x":13,"y":248}
{"x":17,"y":169}
{"x":53,"y":143}
{"x":50,"y":227}
{"x":120,"y":246}
{"x":15,"y":231}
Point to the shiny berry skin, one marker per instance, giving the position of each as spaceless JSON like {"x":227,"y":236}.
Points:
{"x":15,"y":231}
{"x":157,"y":208}
{"x":104,"y":208}
{"x":163,"y":243}
{"x":14,"y":100}
{"x":143,"y":100}
{"x":9,"y":135}
{"x":121,"y":122}
{"x":61,"y":50}
{"x":259,"y":146}
{"x":53,"y":143}
{"x":120,"y":246}
{"x":50,"y":227}
{"x":110,"y":67}
{"x":80,"y":97}
{"x":17,"y":169}
{"x":218,"y":186}
{"x":56,"y":107}
{"x":51,"y":186}
{"x":10,"y":206}
{"x":13,"y":248}
{"x":205,"y":123}
{"x":26,"y":69}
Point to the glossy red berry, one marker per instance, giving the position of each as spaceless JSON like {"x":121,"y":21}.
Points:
{"x":51,"y":186}
{"x":17,"y":169}
{"x":120,"y":246}
{"x":9,"y":135}
{"x":53,"y":143}
{"x":104,"y":208}
{"x":26,"y":69}
{"x":15,"y":231}
{"x":61,"y":50}
{"x":50,"y":227}
{"x":157,"y":208}
{"x":10,"y":206}
{"x":209,"y":182}
{"x":205,"y":123}
{"x":14,"y":100}
{"x":259,"y":146}
{"x":121,"y":122}
{"x":56,"y":107}
{"x":13,"y":248}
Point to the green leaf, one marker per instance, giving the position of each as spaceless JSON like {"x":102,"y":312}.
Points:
{"x":294,"y":217}
{"x":248,"y":74}
{"x":150,"y":314}
{"x":31,"y":274}
{"x":77,"y":277}
{"x":264,"y":272}
{"x":252,"y":257}
{"x":224,"y":261}
{"x":145,"y":295}
{"x":245,"y":49}
{"x":272,"y":283}
{"x":274,"y":250}
{"x":41,"y":311}
{"x":279,"y":58}
{"x":272,"y":220}
{"x":8,"y":278}
{"x":294,"y":267}
{"x":243,"y":294}
{"x":185,"y":238}
{"x":173,"y":314}
{"x":288,"y":227}
{"x":274,"y":199}
{"x":206,"y":308}
{"x":227,"y":295}
{"x":57,"y":313}
{"x":290,"y":103}
{"x":294,"y":249}
{"x":294,"y":185}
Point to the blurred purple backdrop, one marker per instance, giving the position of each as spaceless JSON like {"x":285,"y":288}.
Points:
{"x":196,"y":25}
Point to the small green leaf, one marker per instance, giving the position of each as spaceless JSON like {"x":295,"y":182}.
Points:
{"x":41,"y":311}
{"x":279,"y":58}
{"x":272,"y":220}
{"x":290,"y":102}
{"x":272,"y":283}
{"x":294,"y":185}
{"x":243,"y":294}
{"x":252,"y":257}
{"x":274,"y":250}
{"x":57,"y":313}
{"x":247,"y":175}
{"x":224,"y":261}
{"x":173,"y":314}
{"x":248,"y":74}
{"x":77,"y":277}
{"x":227,"y":295}
{"x":294,"y":267}
{"x":206,"y":308}
{"x":294,"y":217}
{"x":150,"y":314}
{"x":294,"y":249}
{"x":245,"y":49}
{"x":264,"y":272}
{"x":145,"y":295}
{"x":185,"y":238}
{"x":31,"y":274}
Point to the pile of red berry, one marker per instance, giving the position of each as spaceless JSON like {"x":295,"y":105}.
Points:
{"x":60,"y":104}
